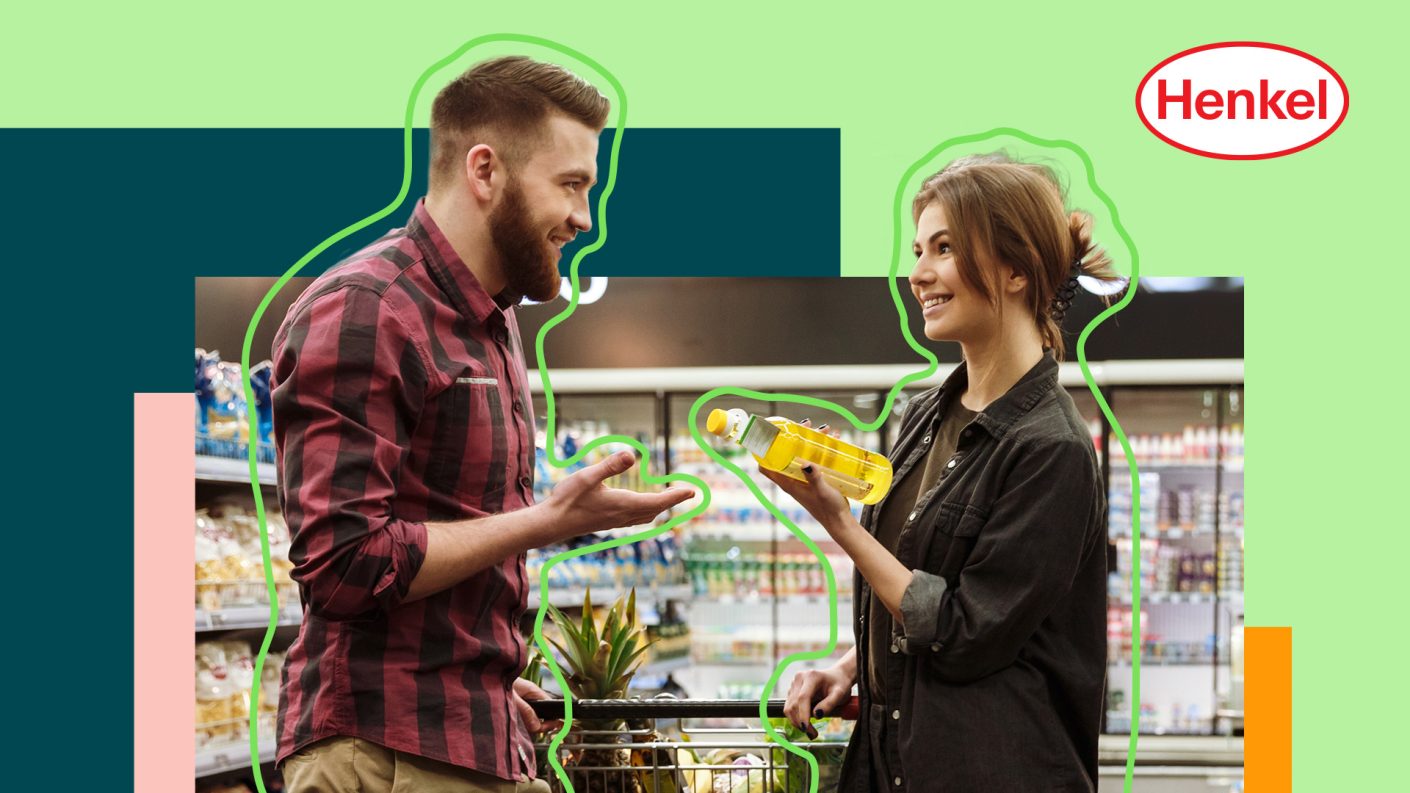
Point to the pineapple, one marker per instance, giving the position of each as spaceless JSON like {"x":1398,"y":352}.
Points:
{"x":533,"y":672}
{"x":600,"y":664}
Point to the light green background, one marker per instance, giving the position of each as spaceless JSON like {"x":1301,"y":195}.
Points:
{"x":1319,"y":234}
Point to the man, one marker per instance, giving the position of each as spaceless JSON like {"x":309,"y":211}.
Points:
{"x":404,"y":429}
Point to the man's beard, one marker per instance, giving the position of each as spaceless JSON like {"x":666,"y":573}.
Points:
{"x":529,"y":260}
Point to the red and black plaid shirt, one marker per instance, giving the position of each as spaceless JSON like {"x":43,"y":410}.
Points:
{"x":400,"y":398}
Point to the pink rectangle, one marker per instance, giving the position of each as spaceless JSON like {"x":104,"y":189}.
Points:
{"x":163,"y":599}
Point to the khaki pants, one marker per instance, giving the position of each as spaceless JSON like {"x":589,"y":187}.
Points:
{"x":354,"y":765}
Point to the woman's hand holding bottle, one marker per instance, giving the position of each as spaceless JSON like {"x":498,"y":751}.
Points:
{"x":823,"y":501}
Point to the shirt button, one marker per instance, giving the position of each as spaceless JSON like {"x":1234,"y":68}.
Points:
{"x":935,"y":648}
{"x":967,"y":432}
{"x":501,"y":337}
{"x":897,"y":781}
{"x":518,"y":406}
{"x":927,"y":439}
{"x":525,"y":481}
{"x":896,"y":714}
{"x":895,"y":648}
{"x":951,"y":464}
{"x":913,"y":516}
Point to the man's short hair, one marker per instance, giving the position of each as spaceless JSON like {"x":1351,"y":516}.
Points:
{"x":504,"y":102}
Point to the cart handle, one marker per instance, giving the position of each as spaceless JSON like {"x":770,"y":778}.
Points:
{"x":670,"y":708}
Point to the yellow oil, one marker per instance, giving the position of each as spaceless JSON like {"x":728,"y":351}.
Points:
{"x":857,"y":473}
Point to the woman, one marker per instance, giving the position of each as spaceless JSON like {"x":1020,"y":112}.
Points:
{"x":980,"y":611}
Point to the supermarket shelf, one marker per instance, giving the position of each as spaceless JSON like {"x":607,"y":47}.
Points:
{"x":243,"y":618}
{"x":1174,"y":534}
{"x":1148,"y":466}
{"x":1146,"y":661}
{"x":1167,"y":534}
{"x":1120,"y":469}
{"x":220,"y":469}
{"x":665,"y":666}
{"x":573,"y":596}
{"x":759,"y":531}
{"x":767,"y":663}
{"x":1182,"y":750}
{"x":792,"y":378}
{"x":818,"y":536}
{"x":232,"y":757}
{"x":550,"y":684}
{"x":248,"y":617}
{"x":1149,"y":598}
{"x":844,"y":600}
{"x":762,"y":634}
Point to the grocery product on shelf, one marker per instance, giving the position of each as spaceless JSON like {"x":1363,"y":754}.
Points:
{"x":1231,"y":564}
{"x":261,"y":379}
{"x":1196,"y":445}
{"x":229,"y":562}
{"x":1186,"y":509}
{"x":729,"y":644}
{"x":754,"y":575}
{"x":224,"y":679}
{"x":269,"y":681}
{"x":221,"y":395}
{"x":571,"y":437}
{"x":1175,"y":718}
{"x":1121,"y":507}
{"x":1165,"y":569}
{"x":222,"y":415}
{"x":670,"y":636}
{"x":652,"y":562}
{"x":786,"y":447}
{"x":216,"y":687}
{"x":739,"y":689}
{"x":1231,"y":511}
{"x":1094,"y":428}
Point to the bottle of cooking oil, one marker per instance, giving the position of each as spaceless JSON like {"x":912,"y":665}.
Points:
{"x":786,"y":446}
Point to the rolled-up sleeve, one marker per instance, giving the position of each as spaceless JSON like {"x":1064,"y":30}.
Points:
{"x":1024,"y":560}
{"x":350,"y":384}
{"x":919,"y":605}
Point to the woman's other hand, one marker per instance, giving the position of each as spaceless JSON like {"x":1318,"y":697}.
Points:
{"x":815,"y":694}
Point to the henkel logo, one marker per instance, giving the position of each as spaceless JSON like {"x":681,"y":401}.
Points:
{"x":1242,"y":100}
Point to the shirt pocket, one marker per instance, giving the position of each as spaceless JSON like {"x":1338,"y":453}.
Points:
{"x":957,"y":529}
{"x":468,"y":457}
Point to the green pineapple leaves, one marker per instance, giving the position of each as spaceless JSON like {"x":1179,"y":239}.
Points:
{"x":600,"y":660}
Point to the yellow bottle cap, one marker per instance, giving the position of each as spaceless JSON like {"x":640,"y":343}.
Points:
{"x":717,"y":421}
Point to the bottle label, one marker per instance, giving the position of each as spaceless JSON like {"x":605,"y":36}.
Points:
{"x":758,"y":436}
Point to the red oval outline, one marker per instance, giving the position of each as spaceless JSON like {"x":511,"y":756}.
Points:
{"x":1346,"y":104}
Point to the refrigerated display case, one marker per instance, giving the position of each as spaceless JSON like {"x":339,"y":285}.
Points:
{"x":754,"y":587}
{"x":1189,"y":454}
{"x":1230,"y":564}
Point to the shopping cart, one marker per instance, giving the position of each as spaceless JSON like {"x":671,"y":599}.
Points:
{"x":669,"y":745}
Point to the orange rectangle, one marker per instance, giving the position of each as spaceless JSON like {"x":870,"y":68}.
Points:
{"x":1268,"y":710}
